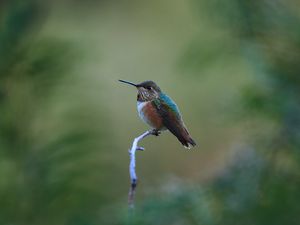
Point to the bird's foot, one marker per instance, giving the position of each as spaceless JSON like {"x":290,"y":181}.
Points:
{"x":155,"y":132}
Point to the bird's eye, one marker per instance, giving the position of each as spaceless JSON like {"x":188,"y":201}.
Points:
{"x":149,"y":88}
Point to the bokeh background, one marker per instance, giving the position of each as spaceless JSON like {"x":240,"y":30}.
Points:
{"x":233,"y":67}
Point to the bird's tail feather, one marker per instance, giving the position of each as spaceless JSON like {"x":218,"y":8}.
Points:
{"x":186,"y":139}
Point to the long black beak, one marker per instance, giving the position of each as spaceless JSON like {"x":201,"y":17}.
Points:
{"x":127,"y":82}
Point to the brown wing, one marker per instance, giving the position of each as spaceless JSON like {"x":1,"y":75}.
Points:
{"x":174,"y":123}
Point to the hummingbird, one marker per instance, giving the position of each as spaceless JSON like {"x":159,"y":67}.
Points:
{"x":160,"y":112}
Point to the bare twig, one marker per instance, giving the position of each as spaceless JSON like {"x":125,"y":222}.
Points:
{"x":132,"y":173}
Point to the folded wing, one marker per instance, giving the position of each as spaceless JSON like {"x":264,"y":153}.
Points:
{"x":172,"y":120}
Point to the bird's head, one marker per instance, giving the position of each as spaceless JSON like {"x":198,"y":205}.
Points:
{"x":147,"y":90}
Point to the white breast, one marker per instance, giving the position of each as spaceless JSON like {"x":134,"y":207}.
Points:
{"x":140,"y":106}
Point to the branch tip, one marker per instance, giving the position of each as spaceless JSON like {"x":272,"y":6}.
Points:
{"x":132,"y":173}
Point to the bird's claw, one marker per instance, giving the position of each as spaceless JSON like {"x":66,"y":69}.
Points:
{"x":155,"y":132}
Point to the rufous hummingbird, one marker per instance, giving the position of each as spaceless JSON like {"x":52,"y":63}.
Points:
{"x":160,"y":112}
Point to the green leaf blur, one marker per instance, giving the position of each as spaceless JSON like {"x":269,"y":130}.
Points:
{"x":66,"y":123}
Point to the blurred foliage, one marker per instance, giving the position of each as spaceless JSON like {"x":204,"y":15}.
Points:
{"x":262,"y":184}
{"x":54,"y":164}
{"x":40,"y":181}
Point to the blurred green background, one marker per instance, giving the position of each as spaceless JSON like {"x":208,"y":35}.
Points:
{"x":233,"y":67}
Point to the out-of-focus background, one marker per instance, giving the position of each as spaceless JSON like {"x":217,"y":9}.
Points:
{"x":233,"y":67}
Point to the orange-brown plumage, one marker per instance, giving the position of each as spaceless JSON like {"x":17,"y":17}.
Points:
{"x":160,"y":111}
{"x":151,"y":116}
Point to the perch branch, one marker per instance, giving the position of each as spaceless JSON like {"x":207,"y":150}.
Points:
{"x":132,"y":173}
